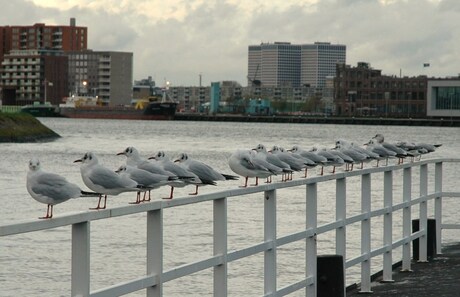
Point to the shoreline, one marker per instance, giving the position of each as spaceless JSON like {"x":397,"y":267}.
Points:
{"x":320,"y":120}
{"x":22,"y":127}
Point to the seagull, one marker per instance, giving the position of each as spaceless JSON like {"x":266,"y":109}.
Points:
{"x":309,"y":155}
{"x":417,"y":149}
{"x":377,"y":148}
{"x":186,"y":176}
{"x":400,"y":153}
{"x":333,"y":160}
{"x":357,"y":157}
{"x":206,"y":173}
{"x":51,"y":188}
{"x":351,"y":145}
{"x":296,"y":164}
{"x":103,"y":180}
{"x":143,"y":177}
{"x":273,"y":159}
{"x":243,"y":163}
{"x":133,"y":158}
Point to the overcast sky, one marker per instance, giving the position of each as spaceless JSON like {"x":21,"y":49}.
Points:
{"x":177,"y":40}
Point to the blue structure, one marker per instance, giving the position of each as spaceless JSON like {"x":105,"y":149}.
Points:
{"x":215,"y":97}
{"x":259,"y":107}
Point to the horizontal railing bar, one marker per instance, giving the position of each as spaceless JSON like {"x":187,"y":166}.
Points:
{"x":187,"y":269}
{"x":450,"y":226}
{"x":291,"y":288}
{"x":383,"y":249}
{"x":248,"y":251}
{"x":126,"y":287}
{"x":451,"y":194}
{"x":280,"y":241}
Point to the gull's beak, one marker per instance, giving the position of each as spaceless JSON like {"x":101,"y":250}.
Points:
{"x":152,"y":158}
{"x":77,"y":161}
{"x":122,"y":153}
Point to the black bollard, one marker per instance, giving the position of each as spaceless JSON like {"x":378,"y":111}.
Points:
{"x":330,"y":276}
{"x":431,"y":239}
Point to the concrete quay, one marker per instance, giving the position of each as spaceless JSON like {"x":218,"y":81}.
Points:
{"x":438,"y":277}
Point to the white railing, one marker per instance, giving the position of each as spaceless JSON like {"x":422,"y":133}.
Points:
{"x":156,"y":276}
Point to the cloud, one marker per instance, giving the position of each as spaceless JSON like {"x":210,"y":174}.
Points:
{"x":179,"y":39}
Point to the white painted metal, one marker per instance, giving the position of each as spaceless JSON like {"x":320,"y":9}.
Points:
{"x":80,"y":259}
{"x":310,"y":247}
{"x":388,"y":226}
{"x":340,"y":217}
{"x":220,"y":246}
{"x":155,"y":251}
{"x":270,"y":237}
{"x":407,"y":223}
{"x":423,"y":221}
{"x":366,"y":233}
{"x":155,"y":277}
{"x":438,"y":204}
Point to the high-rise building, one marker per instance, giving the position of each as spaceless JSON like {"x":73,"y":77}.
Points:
{"x":274,"y":64}
{"x":284,"y":64}
{"x":319,"y":60}
{"x":41,"y":36}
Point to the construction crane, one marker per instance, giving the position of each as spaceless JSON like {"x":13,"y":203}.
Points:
{"x":255,"y":82}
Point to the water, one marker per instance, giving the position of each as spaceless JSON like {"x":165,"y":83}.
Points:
{"x":38,"y":263}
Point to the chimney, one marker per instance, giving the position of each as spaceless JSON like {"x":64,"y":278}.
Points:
{"x":72,"y":22}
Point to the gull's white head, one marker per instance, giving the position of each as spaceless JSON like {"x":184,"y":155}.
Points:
{"x":182,"y":157}
{"x":88,"y":158}
{"x":34,"y":164}
{"x":130,"y":152}
{"x":159,"y":156}
{"x":260,"y":148}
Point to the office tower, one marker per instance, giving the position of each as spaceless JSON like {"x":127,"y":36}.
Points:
{"x":319,"y":60}
{"x":284,"y":64}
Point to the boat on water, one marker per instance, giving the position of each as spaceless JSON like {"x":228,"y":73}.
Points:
{"x":90,"y":108}
{"x":38,"y":109}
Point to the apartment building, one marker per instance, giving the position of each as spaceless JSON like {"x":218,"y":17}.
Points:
{"x":33,"y":75}
{"x":41,"y":36}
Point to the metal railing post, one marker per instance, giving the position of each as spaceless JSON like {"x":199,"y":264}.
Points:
{"x":311,"y":252}
{"x":438,"y":205}
{"x":155,"y":250}
{"x":220,"y":246}
{"x":80,"y":259}
{"x":388,"y":226}
{"x":341,"y":215}
{"x":366,"y":233}
{"x":270,"y":236}
{"x":423,"y":241}
{"x":407,"y":185}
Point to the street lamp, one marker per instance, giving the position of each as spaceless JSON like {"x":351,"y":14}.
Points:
{"x":46,"y":83}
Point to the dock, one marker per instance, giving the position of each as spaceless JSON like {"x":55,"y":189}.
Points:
{"x":437,"y":277}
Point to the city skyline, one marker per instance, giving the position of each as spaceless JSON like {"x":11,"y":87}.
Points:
{"x":181,"y":41}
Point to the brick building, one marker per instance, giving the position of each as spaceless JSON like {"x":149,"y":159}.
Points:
{"x":363,"y":91}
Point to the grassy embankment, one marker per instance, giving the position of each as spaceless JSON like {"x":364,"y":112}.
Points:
{"x":22,"y":127}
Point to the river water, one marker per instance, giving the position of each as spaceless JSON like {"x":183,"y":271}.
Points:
{"x":37,"y":264}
